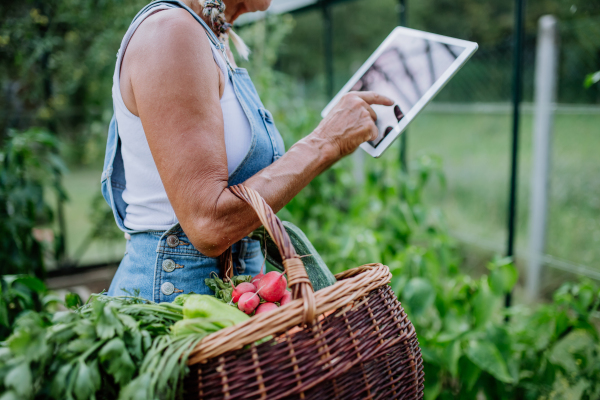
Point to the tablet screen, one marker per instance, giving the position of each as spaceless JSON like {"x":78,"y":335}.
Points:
{"x":410,"y":67}
{"x":404,"y":72}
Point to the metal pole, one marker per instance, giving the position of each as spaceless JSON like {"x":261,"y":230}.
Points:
{"x":517,"y":91}
{"x":545,"y":98}
{"x":328,"y":46}
{"x":403,"y":138}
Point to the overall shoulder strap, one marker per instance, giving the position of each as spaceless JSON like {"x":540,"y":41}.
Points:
{"x":211,"y":35}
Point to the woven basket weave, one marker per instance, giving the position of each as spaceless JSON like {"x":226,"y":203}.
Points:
{"x":351,"y":340}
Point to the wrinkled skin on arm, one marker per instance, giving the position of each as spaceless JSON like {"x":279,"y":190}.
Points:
{"x":171,"y":81}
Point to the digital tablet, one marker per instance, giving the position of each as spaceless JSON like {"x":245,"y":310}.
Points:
{"x":410,"y":67}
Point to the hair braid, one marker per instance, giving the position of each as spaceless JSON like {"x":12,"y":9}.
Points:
{"x":214,"y":10}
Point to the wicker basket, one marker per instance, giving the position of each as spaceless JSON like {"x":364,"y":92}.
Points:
{"x":351,"y":340}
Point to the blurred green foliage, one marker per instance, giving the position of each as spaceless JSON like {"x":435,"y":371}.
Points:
{"x":592,"y":79}
{"x":30,"y":166}
{"x":57,"y":58}
{"x":20,"y":294}
{"x":550,"y":351}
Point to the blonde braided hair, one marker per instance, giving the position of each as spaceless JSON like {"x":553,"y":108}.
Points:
{"x":214,"y":10}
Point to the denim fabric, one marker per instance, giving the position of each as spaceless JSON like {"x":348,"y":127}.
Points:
{"x":146,"y":266}
{"x":150,"y":263}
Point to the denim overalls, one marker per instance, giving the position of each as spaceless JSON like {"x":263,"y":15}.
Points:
{"x":163,"y":264}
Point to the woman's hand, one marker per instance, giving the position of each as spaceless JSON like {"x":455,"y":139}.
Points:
{"x":351,"y":122}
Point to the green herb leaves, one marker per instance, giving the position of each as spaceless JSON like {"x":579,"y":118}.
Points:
{"x":111,"y":348}
{"x":223,"y":290}
{"x":116,"y":361}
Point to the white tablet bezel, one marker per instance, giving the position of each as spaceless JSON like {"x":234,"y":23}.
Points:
{"x":469,"y":49}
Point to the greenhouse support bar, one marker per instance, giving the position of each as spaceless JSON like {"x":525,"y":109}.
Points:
{"x":546,"y":79}
{"x":517,"y":92}
{"x":328,"y":46}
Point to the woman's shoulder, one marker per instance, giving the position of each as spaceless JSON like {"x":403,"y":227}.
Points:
{"x":171,"y":29}
{"x":172,"y":16}
{"x":168,"y":50}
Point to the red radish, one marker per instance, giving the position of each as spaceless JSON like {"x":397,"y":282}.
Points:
{"x":240,"y":289}
{"x":257,"y":279}
{"x":259,"y":276}
{"x":287,"y":297}
{"x":272,"y":286}
{"x":266,"y":307}
{"x":248,"y":302}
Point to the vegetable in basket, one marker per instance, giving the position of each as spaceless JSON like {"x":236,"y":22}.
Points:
{"x":320,"y":276}
{"x":112,"y":347}
{"x":209,"y":307}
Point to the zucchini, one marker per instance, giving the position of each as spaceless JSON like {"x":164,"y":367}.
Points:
{"x":317,"y":271}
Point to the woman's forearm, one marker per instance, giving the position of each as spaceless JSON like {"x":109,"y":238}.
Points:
{"x":229,"y":219}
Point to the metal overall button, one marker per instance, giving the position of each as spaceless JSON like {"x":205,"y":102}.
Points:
{"x":168,"y":289}
{"x":172,"y":241}
{"x":169,"y":265}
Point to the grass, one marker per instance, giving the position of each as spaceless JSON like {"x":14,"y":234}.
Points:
{"x":475,"y":149}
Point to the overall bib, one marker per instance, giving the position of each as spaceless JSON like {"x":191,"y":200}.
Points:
{"x":162,"y":264}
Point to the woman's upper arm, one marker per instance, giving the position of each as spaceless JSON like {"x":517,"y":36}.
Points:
{"x":175,"y":83}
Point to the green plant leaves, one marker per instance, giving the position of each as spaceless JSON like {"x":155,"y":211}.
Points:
{"x":452,"y":354}
{"x":87,"y":380}
{"x":503,"y":276}
{"x":89,"y":352}
{"x":487,"y":357}
{"x":591,"y":79}
{"x":30,"y":282}
{"x":418,"y":296}
{"x":572,"y":351}
{"x":20,"y":380}
{"x":485,"y":304}
{"x":108,"y":323}
{"x":469,"y":372}
{"x":72,"y":300}
{"x":114,"y":356}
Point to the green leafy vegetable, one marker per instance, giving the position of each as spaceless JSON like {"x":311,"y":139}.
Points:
{"x":111,"y":347}
{"x":223,"y":290}
{"x":320,"y":276}
{"x":208,"y":307}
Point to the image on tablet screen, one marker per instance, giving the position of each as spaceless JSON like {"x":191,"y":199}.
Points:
{"x":404,"y":71}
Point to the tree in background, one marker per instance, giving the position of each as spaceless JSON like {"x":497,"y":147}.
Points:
{"x":56,"y":62}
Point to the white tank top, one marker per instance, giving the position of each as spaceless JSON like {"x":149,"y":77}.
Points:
{"x":148,"y":206}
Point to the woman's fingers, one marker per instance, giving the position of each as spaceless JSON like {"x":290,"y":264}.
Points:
{"x":348,"y":125}
{"x":374,"y":98}
{"x":374,"y":132}
{"x":372,"y":112}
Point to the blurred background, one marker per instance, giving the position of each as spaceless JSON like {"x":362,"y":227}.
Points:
{"x":435,"y":204}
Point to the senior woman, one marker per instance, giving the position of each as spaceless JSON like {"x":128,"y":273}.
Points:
{"x":187,"y":125}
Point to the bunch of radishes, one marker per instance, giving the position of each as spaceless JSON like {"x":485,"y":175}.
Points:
{"x":270,"y":287}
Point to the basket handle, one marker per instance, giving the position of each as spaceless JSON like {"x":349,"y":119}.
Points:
{"x":294,"y":268}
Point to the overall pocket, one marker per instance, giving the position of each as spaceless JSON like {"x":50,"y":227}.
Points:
{"x":271,"y":131}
